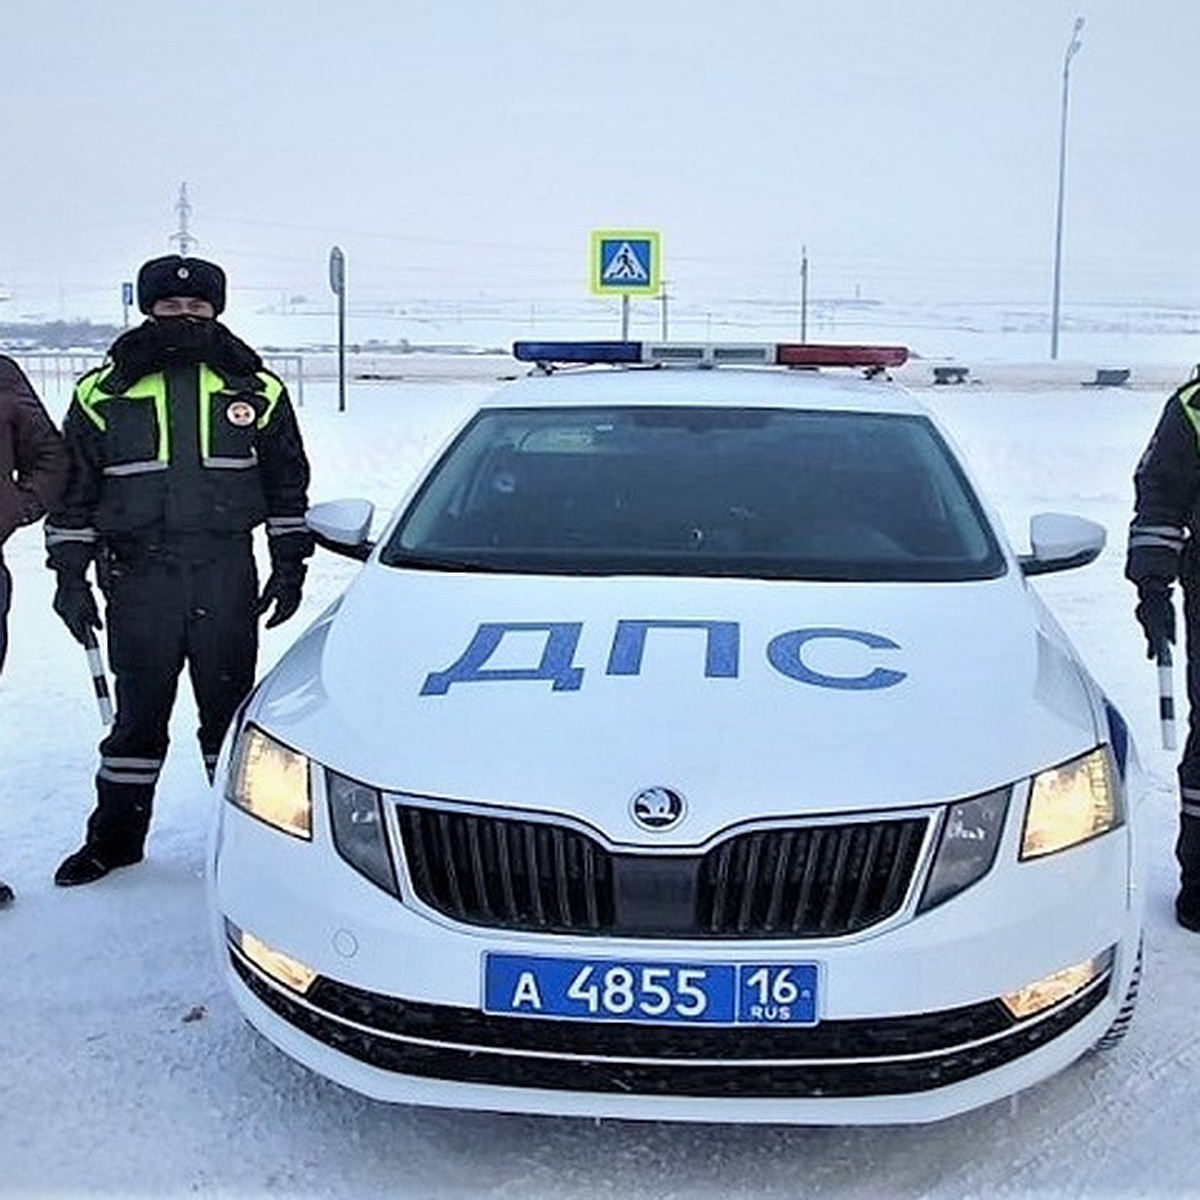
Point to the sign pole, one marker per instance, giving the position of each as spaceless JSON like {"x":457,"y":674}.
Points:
{"x":626,"y":262}
{"x":337,"y":281}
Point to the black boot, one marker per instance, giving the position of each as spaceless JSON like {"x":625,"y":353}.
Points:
{"x":1187,"y":852}
{"x":6,"y":894}
{"x":116,"y":832}
{"x":94,"y":860}
{"x":1187,"y":910}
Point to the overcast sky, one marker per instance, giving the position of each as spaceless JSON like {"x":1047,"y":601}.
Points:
{"x":466,"y":148}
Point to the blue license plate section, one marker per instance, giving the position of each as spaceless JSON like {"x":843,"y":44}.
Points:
{"x":602,"y":989}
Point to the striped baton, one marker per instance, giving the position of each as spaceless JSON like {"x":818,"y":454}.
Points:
{"x":1166,"y":696}
{"x":99,"y":678}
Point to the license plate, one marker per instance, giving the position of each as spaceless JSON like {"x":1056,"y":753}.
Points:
{"x":603,"y":989}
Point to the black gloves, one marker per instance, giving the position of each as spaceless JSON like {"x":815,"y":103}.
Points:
{"x":76,"y":605}
{"x":282,"y":589}
{"x":1156,"y":615}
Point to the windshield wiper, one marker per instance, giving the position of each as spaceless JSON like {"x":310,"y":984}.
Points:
{"x":428,"y":562}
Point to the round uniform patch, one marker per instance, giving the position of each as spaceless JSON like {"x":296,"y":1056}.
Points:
{"x":240,"y":413}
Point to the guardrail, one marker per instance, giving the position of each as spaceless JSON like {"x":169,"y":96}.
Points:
{"x":54,"y":370}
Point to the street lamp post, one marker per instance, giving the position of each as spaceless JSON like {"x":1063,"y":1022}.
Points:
{"x":1073,"y":47}
{"x":337,"y":284}
{"x":803,"y":294}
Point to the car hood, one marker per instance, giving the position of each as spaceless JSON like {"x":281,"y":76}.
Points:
{"x":751,"y":699}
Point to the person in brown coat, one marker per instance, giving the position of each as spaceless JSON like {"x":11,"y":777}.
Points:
{"x":33,"y":473}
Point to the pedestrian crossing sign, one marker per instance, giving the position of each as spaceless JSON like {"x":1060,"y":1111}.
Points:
{"x":625,"y":262}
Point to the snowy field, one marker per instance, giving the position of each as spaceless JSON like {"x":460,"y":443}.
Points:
{"x":125,"y":1070}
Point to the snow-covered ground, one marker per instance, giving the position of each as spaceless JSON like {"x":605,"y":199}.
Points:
{"x":125,"y":1070}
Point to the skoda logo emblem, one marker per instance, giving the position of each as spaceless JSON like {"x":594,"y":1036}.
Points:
{"x":657,"y":808}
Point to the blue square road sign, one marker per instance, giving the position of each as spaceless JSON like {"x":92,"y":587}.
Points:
{"x":625,"y":262}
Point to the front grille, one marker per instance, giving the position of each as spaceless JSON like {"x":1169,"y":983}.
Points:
{"x":812,"y":881}
{"x":508,"y":874}
{"x":870,"y":1057}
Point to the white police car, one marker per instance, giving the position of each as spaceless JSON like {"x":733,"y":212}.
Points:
{"x":690,"y":746}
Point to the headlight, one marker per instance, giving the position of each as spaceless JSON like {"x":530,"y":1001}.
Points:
{"x":1071,"y":804}
{"x":356,"y":815}
{"x":270,"y":781}
{"x":967,"y":847}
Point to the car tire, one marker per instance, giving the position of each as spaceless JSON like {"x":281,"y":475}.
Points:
{"x":1116,"y":1032}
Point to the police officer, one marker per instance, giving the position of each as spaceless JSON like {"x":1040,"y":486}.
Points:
{"x":33,"y":470}
{"x":181,"y":443}
{"x":1162,"y":549}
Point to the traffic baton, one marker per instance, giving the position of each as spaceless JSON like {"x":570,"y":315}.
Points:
{"x":99,"y":678}
{"x":1166,"y":696}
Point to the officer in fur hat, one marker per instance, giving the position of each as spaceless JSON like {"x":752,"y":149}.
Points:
{"x":181,"y":444}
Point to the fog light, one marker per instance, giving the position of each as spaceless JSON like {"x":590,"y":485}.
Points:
{"x":284,"y":969}
{"x":1053,"y":989}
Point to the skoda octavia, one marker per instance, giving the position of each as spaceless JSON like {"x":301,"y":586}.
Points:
{"x":691,"y":745}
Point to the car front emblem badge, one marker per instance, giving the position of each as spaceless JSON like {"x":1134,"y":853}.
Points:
{"x":657,"y":808}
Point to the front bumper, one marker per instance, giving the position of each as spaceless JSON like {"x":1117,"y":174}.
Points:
{"x":911,"y":1028}
{"x":894,"y":1056}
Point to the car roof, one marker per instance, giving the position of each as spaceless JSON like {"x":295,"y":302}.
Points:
{"x":734,"y":387}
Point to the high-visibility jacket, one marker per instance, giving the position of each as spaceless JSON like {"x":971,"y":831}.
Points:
{"x":1162,"y":536}
{"x":185,"y":450}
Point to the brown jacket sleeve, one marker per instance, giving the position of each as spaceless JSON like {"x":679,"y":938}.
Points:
{"x":33,"y":459}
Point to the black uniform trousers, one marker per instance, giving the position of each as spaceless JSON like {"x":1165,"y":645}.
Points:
{"x":173,"y":600}
{"x":5,"y":602}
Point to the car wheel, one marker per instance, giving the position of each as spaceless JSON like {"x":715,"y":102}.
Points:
{"x":1120,"y":1026}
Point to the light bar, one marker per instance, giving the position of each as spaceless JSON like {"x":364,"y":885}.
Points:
{"x":809,"y":354}
{"x":708,"y":354}
{"x":578,"y":352}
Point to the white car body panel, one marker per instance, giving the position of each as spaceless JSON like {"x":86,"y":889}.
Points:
{"x":985,"y":697}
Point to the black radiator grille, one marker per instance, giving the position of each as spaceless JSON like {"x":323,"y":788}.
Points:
{"x":811,"y":881}
{"x":508,"y":874}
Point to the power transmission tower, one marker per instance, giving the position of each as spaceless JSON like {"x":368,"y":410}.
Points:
{"x":183,"y":235}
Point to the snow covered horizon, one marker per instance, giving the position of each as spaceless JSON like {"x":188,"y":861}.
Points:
{"x":1134,"y":331}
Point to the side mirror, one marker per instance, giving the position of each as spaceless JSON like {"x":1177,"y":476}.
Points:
{"x":343,"y":526}
{"x":1060,"y":542}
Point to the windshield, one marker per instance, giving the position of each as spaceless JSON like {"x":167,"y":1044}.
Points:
{"x":699,"y":491}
